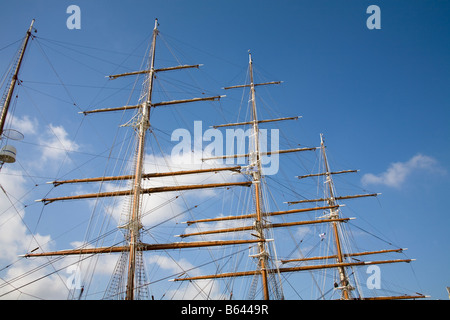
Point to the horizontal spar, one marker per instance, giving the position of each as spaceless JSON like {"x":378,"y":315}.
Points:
{"x":336,"y":198}
{"x":357,"y":254}
{"x":252,"y":122}
{"x":164,"y":103}
{"x":115,"y":76}
{"x":256,"y":85}
{"x":403,"y":297}
{"x":142,"y":247}
{"x":249,"y":216}
{"x":145,"y":191}
{"x":145,"y":175}
{"x":262,"y":153}
{"x":270,"y":225}
{"x":326,"y":173}
{"x":293,"y":269}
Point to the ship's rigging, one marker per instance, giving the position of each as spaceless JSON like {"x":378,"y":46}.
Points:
{"x":130,"y":281}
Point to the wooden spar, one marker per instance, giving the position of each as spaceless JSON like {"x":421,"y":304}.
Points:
{"x":111,"y":109}
{"x":164,"y":103}
{"x":421,"y":296}
{"x":246,"y":216}
{"x":251,"y":122}
{"x":261,"y":153}
{"x":325,"y":173}
{"x":115,"y":76}
{"x":249,"y":216}
{"x":142,"y":247}
{"x":167,"y":103}
{"x":14,"y":79}
{"x":253,"y":84}
{"x":345,"y":255}
{"x":267,"y":226}
{"x":145,"y":175}
{"x":336,"y":198}
{"x":276,"y":213}
{"x":293,"y":269}
{"x":301,"y":223}
{"x":146,"y":191}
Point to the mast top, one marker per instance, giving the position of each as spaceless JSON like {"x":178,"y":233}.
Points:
{"x":31,"y":25}
{"x":156,"y":24}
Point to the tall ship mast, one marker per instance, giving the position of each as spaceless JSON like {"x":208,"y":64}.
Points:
{"x":253,"y":232}
{"x":8,"y":153}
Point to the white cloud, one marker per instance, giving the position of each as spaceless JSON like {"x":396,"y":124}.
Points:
{"x":25,"y":125}
{"x":57,"y":142}
{"x":16,"y":239}
{"x":398,"y":172}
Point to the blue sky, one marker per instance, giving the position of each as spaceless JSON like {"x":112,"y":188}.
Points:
{"x":380,"y":97}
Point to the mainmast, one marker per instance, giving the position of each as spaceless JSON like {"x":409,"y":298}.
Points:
{"x":255,"y":162}
{"x":134,"y":222}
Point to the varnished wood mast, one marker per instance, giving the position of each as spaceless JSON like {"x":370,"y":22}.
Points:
{"x":14,"y":79}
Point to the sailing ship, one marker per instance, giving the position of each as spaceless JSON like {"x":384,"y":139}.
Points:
{"x":240,"y":232}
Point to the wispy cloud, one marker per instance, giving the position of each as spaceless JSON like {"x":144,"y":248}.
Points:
{"x":58,"y":143}
{"x":25,"y":125}
{"x":397,"y":172}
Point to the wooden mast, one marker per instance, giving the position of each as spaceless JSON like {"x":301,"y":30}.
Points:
{"x":254,"y":157}
{"x":334,"y":214}
{"x":134,"y":219}
{"x":14,"y":80}
{"x":255,"y":161}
